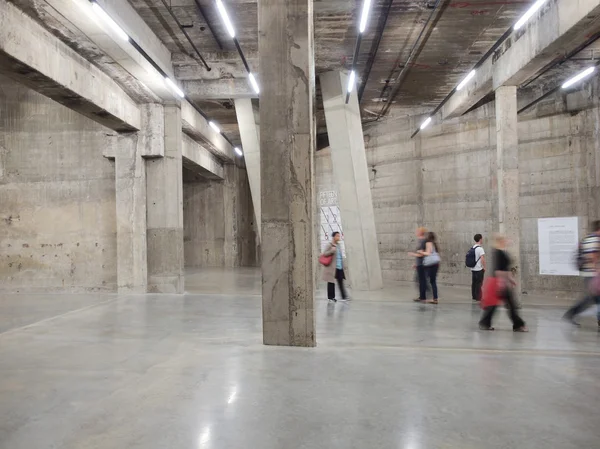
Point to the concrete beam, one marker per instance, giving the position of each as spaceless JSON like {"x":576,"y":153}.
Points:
{"x":197,"y":127}
{"x":219,"y":89}
{"x":224,"y":65}
{"x":33,"y":56}
{"x":559,"y":27}
{"x":200,"y":161}
{"x":250,"y":135}
{"x":81,"y":14}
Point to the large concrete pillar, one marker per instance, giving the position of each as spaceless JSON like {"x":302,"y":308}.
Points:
{"x":251,"y":143}
{"x":165,"y":210}
{"x":286,"y":54}
{"x":344,"y":127}
{"x":507,"y":164}
{"x":130,"y":186}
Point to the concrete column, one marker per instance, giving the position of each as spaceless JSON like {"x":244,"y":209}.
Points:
{"x":344,"y":127}
{"x":507,"y":141}
{"x":250,"y":141}
{"x":286,"y":55}
{"x":130,"y":186}
{"x":165,"y":210}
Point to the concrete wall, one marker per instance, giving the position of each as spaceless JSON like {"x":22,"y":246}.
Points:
{"x":219,"y":221}
{"x":445,"y":179}
{"x":57,"y":197}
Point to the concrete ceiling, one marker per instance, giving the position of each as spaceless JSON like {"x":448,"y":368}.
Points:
{"x":457,"y":36}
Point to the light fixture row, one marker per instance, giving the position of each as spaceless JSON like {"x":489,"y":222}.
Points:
{"x":362,"y":26}
{"x":105,"y":18}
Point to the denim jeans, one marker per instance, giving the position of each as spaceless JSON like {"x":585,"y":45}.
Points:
{"x":584,"y":303}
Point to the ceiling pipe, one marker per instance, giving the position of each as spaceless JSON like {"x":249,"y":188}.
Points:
{"x":374,"y":50}
{"x":411,"y":55}
{"x":186,"y":35}
{"x":202,"y":12}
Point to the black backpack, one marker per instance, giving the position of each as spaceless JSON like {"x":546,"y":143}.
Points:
{"x":470,"y":260}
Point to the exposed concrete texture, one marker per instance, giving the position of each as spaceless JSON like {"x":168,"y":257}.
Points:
{"x":57,"y":197}
{"x":445,"y":178}
{"x":558,"y":27}
{"x":346,"y":139}
{"x":286,"y":54}
{"x":36,"y":58}
{"x":219,"y":89}
{"x":130,"y":186}
{"x":198,"y":128}
{"x":507,"y":169}
{"x":165,"y":210}
{"x":199,"y":160}
{"x":250,"y":135}
{"x":218,"y":227}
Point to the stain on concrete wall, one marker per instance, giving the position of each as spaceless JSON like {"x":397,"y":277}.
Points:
{"x":219,"y":221}
{"x":445,"y":179}
{"x":57,"y":197}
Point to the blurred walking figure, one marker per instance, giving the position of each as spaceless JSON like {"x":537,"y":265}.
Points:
{"x":475,"y":260}
{"x":587,"y":261}
{"x":431,"y":263}
{"x":500,"y":287}
{"x":335,"y":270}
{"x":419,"y":267}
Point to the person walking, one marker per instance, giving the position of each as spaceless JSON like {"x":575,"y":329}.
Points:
{"x":504,"y":283}
{"x":478,"y":270}
{"x":588,"y":258}
{"x":335,"y":270}
{"x":419,"y":267}
{"x":431,"y":263}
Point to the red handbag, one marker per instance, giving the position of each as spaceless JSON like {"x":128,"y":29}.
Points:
{"x":490,"y":295}
{"x":325,"y":260}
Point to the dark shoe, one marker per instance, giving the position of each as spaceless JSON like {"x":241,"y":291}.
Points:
{"x":333,"y":300}
{"x":418,"y":300}
{"x":571,"y":320}
{"x":486,"y":328}
{"x":521,"y":329}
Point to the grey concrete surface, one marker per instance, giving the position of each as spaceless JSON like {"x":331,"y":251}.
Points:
{"x":287,"y":144}
{"x":349,"y":161}
{"x":148,"y":371}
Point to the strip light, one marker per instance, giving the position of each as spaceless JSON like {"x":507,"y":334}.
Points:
{"x":365,"y":15}
{"x":239,"y":153}
{"x":214,"y":126}
{"x":530,"y":12}
{"x":426,"y":123}
{"x":254,"y":83}
{"x":109,"y":21}
{"x":467,"y":78}
{"x":351,"y":80}
{"x":174,"y":87}
{"x":587,"y":72}
{"x":225,"y":18}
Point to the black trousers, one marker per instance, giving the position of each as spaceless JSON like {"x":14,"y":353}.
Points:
{"x":513,"y":314}
{"x":339,"y":276}
{"x":432,"y":272}
{"x":476,"y":284}
{"x":422,"y":277}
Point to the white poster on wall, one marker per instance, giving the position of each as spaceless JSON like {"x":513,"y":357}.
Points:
{"x":558,"y":240}
{"x":330,"y":218}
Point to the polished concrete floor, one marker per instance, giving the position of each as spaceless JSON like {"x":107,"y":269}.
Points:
{"x":148,"y":371}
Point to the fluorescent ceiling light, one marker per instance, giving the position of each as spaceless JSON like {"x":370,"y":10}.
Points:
{"x":214,"y":126}
{"x":254,"y":83}
{"x":351,"y":80}
{"x":587,"y":72}
{"x":239,"y":153}
{"x":426,"y":123}
{"x":225,"y":18}
{"x":530,"y":12}
{"x":174,"y":87}
{"x":109,"y":21}
{"x":365,"y":15}
{"x":468,"y":78}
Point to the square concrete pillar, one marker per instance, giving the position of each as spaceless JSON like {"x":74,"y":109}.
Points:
{"x":130,"y":186}
{"x":349,"y":159}
{"x":507,"y":163}
{"x":165,"y":210}
{"x":287,"y":136}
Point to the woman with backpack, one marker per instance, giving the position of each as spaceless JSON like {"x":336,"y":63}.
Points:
{"x":431,"y":262}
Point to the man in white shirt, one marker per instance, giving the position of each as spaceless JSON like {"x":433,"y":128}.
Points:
{"x":478,"y":271}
